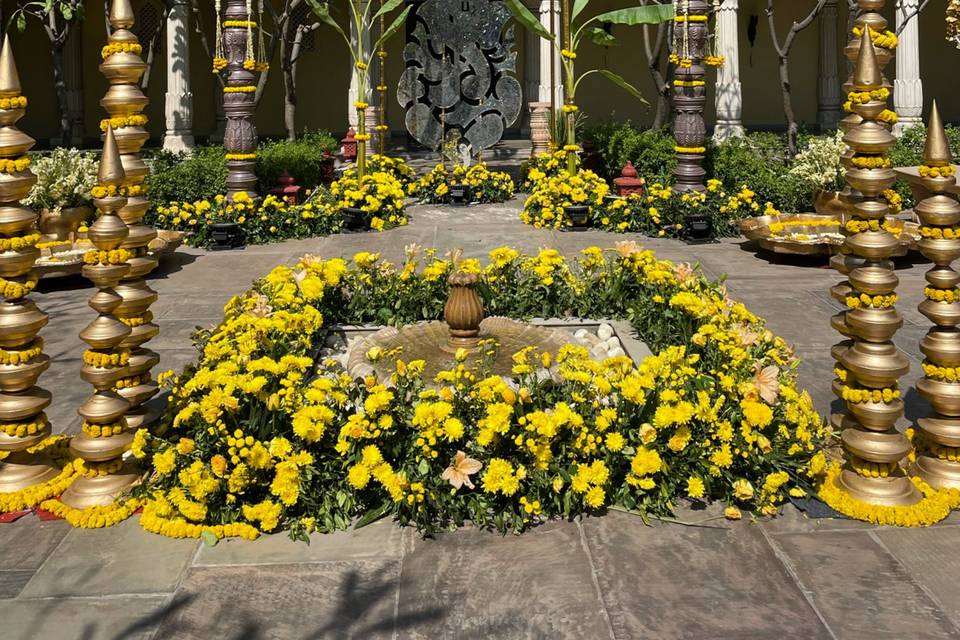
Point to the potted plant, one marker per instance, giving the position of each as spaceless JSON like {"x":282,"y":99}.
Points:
{"x":373,"y":201}
{"x":62,"y":192}
{"x":565,"y":200}
{"x":818,"y":168}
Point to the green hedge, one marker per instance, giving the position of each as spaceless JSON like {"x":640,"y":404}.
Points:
{"x":202,"y":173}
{"x":908,"y":152}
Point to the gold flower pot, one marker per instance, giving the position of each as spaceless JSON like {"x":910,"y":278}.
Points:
{"x":105,"y":332}
{"x":939,"y":474}
{"x":21,"y":469}
{"x":873,"y":281}
{"x":101,"y":491}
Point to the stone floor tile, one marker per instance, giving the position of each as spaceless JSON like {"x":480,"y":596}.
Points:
{"x":674,"y":581}
{"x":478,"y":584}
{"x":336,"y":600}
{"x":861,"y":591}
{"x":930,"y":555}
{"x":123,"y":559}
{"x":792,"y":520}
{"x":379,"y":541}
{"x":26,"y":543}
{"x":12,"y":582}
{"x":81,"y":618}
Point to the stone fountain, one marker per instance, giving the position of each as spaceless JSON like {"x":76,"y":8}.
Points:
{"x":464,"y":328}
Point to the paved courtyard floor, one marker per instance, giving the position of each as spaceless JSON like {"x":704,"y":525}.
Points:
{"x":604,"y":577}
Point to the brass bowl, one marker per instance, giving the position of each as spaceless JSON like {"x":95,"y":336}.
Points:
{"x":943,"y":431}
{"x":874,"y":325}
{"x":874,"y":446}
{"x":873,"y":281}
{"x":940,"y":250}
{"x":943,"y":277}
{"x":137,"y":298}
{"x":15,"y":219}
{"x":104,"y":332}
{"x":941,"y":346}
{"x":101,"y":449}
{"x":876,"y":365}
{"x":876,"y":416}
{"x":17,"y":263}
{"x":103,"y":407}
{"x":945,"y":314}
{"x":105,"y":275}
{"x":944,"y":397}
{"x":819,"y":241}
{"x":939,"y":209}
{"x":20,"y":377}
{"x":20,"y":322}
{"x":25,"y":404}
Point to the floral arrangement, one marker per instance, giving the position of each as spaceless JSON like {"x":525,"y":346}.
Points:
{"x":662,"y":211}
{"x":486,"y":185}
{"x":541,"y":167}
{"x":952,"y":19}
{"x":378,"y":194}
{"x":261,"y":436}
{"x":544,"y":207}
{"x":818,"y":165}
{"x":396,"y":167}
{"x":268,"y":220}
{"x":64,"y":180}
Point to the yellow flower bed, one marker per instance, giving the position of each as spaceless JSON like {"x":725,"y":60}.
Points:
{"x":545,"y":206}
{"x":378,"y":194}
{"x":486,"y":185}
{"x":261,"y":436}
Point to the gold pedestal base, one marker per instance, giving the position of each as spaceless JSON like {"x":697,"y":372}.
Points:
{"x":893,"y":491}
{"x":142,"y":417}
{"x":939,"y":474}
{"x":103,"y":490}
{"x":21,"y":470}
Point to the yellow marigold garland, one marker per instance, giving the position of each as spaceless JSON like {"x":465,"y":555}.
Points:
{"x":937,"y":172}
{"x":941,"y":295}
{"x":861,"y":97}
{"x":948,"y":374}
{"x":858,"y":395}
{"x":871,"y":162}
{"x":120,"y":47}
{"x":690,"y":18}
{"x":112,"y":190}
{"x":100,"y":360}
{"x":858,"y":226}
{"x":873,"y":469}
{"x":246,"y":88}
{"x":102,"y":430}
{"x":19,"y":242}
{"x":96,"y":469}
{"x":242,"y":24}
{"x":13,"y":290}
{"x":240,"y":156}
{"x":949,"y":233}
{"x":934,"y":507}
{"x":884,"y":40}
{"x":877,"y":302}
{"x":219,"y":64}
{"x":34,"y":495}
{"x":159,"y":517}
{"x":114,"y":256}
{"x":120,"y":122}
{"x":689,"y":83}
{"x":22,"y":356}
{"x":714,"y":61}
{"x":14,"y":166}
{"x":16,"y":102}
{"x":23,"y":429}
{"x":93,"y":517}
{"x":679,"y":149}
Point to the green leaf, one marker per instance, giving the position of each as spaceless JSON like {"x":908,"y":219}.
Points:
{"x":208,"y":538}
{"x":21,"y":22}
{"x":600,"y":36}
{"x":623,"y":84}
{"x":321,"y":9}
{"x":652,"y":14}
{"x":527,"y":19}
{"x":372,"y":516}
{"x":392,"y":29}
{"x":578,"y":6}
{"x":387,"y":7}
{"x":424,"y":467}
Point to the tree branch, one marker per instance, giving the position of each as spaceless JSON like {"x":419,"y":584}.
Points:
{"x":914,"y":14}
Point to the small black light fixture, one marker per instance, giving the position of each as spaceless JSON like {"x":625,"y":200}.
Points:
{"x":460,"y":194}
{"x":578,"y":215}
{"x":354,"y":218}
{"x":697,"y":228}
{"x":226,"y":235}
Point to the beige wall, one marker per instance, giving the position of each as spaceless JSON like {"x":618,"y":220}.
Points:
{"x":323,"y":75}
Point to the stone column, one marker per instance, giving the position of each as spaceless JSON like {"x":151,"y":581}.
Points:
{"x":73,"y":79}
{"x":729,"y":98}
{"x":239,"y":104}
{"x":549,"y":85}
{"x":908,"y":87}
{"x":689,"y":97}
{"x":829,"y":100}
{"x":178,"y":102}
{"x":355,"y":93}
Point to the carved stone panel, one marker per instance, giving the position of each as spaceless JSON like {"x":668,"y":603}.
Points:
{"x":459,"y":73}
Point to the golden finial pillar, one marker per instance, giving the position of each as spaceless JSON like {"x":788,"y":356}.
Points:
{"x":870,"y":364}
{"x":938,"y":436}
{"x":22,"y":421}
{"x":105,"y":437}
{"x":124,"y":103}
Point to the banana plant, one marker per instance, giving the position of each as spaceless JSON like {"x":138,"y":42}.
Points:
{"x":361,"y":21}
{"x":570,"y":40}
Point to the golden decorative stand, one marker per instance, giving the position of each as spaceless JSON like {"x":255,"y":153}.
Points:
{"x":870,"y":364}
{"x":938,"y":436}
{"x":22,"y":421}
{"x":125,"y":103}
{"x":105,"y":438}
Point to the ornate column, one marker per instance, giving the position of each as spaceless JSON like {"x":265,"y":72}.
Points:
{"x":73,"y":80}
{"x":829,"y":100}
{"x":729,"y":99}
{"x":938,"y":436}
{"x":550,"y":77}
{"x":908,"y":87}
{"x":689,"y":94}
{"x":124,"y":99}
{"x":178,"y":101}
{"x":870,"y":364}
{"x":354,"y":93}
{"x":240,"y":135}
{"x":22,"y":360}
{"x":105,"y":475}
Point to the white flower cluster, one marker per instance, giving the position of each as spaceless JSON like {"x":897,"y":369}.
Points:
{"x":64,"y":180}
{"x":819,"y":164}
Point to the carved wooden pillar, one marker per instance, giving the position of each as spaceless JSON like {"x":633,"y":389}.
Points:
{"x":240,"y":136}
{"x":689,"y":94}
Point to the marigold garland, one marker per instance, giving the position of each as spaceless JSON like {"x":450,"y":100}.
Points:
{"x":14,"y":166}
{"x":23,"y":429}
{"x":97,"y":469}
{"x":56,"y":448}
{"x":120,"y":47}
{"x":714,"y":61}
{"x":862,"y":97}
{"x":119,"y":122}
{"x":240,"y":156}
{"x":941,"y":295}
{"x":16,"y":102}
{"x":102,"y":430}
{"x":950,"y":233}
{"x":884,"y":40}
{"x":14,"y":290}
{"x":101,"y":360}
{"x":873,"y":469}
{"x":871,"y":162}
{"x":860,"y":395}
{"x":93,"y":517}
{"x":156,"y":518}
{"x":877,"y":302}
{"x":859,"y":226}
{"x":111,"y":191}
{"x":246,"y":88}
{"x":948,"y":374}
{"x":114,"y":256}
{"x":219,"y":64}
{"x":937,"y":172}
{"x":243,"y":24}
{"x":19,"y":242}
{"x":934,"y":507}
{"x":690,"y":18}
{"x":694,"y":150}
{"x":134,"y":321}
{"x":22,"y":356}
{"x":689,"y":83}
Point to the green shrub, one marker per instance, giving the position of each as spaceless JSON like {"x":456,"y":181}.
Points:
{"x":908,"y":152}
{"x":181,"y":177}
{"x":306,"y":159}
{"x":650,"y":151}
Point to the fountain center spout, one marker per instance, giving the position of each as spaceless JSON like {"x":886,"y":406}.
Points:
{"x":463,"y":312}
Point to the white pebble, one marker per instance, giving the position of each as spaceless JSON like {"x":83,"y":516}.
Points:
{"x":605,"y":331}
{"x":612,"y":343}
{"x":581,"y":334}
{"x":616,"y":352}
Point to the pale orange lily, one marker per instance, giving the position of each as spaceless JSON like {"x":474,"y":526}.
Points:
{"x":460,"y":470}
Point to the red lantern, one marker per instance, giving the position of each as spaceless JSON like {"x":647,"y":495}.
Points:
{"x":628,"y":183}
